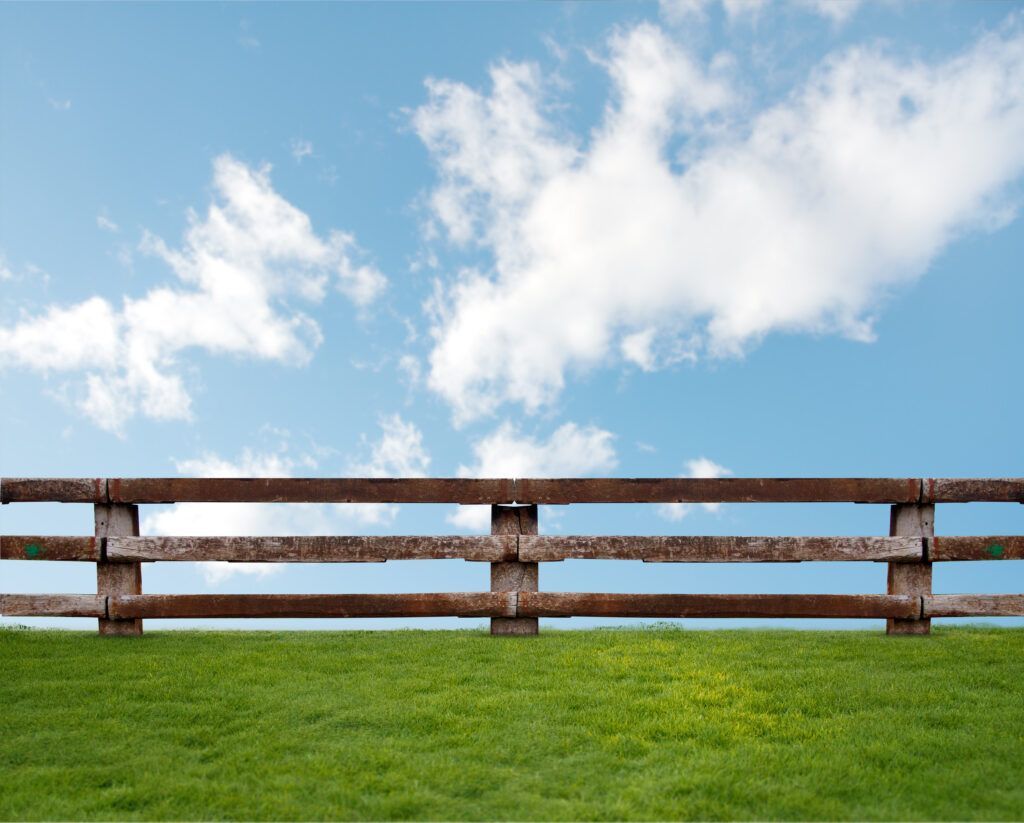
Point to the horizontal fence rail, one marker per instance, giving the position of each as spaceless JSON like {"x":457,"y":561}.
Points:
{"x":514,"y":549}
{"x":511,"y":490}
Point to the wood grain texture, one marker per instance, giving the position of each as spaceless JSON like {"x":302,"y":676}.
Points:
{"x":974,"y":605}
{"x":309,"y":490}
{"x":1003,"y":547}
{"x":117,"y":520}
{"x":702,"y":549}
{"x":505,"y":491}
{"x":53,"y":489}
{"x":565,"y":604}
{"x":910,"y":578}
{"x":53,"y":605}
{"x":973,"y":489}
{"x":450,"y":604}
{"x":345,"y":549}
{"x":514,"y":576}
{"x":43,"y":547}
{"x":719,"y":490}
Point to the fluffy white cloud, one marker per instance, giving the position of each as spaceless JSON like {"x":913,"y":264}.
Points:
{"x":689,"y":225}
{"x":570,"y":451}
{"x":398,"y":452}
{"x":701,"y":467}
{"x":237,"y":268}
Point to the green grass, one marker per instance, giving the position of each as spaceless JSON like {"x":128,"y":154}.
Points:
{"x":458,"y":725}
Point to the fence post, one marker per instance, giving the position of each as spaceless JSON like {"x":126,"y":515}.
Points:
{"x":514,"y":576}
{"x":118,"y":520}
{"x":910,"y":520}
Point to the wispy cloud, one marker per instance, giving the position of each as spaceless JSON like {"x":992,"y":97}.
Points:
{"x":104,"y":222}
{"x":246,"y":36}
{"x":301,"y":149}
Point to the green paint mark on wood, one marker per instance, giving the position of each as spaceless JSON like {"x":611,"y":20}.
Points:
{"x":995,"y":550}
{"x":33,"y":550}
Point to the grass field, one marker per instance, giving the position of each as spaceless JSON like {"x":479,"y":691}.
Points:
{"x":458,"y":725}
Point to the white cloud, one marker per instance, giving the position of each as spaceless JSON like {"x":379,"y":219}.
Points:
{"x":801,"y":217}
{"x":838,"y":11}
{"x":687,"y":11}
{"x":398,"y":452}
{"x":58,"y":104}
{"x":570,"y":451}
{"x":238,"y":270}
{"x":701,"y":467}
{"x":301,"y":149}
{"x":104,"y":222}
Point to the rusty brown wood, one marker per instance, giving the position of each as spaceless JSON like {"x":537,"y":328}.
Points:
{"x":345,"y":549}
{"x":703,"y":549}
{"x":1002,"y":547}
{"x":53,"y":605}
{"x":974,"y":605}
{"x":116,"y":520}
{"x":53,"y":489}
{"x":719,"y":490}
{"x":45,"y":547}
{"x":514,"y":576}
{"x":566,"y":604}
{"x":910,"y":578}
{"x":449,"y":604}
{"x":972,"y":490}
{"x":308,"y":490}
{"x":505,"y":490}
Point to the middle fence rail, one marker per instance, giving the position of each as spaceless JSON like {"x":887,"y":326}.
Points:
{"x":514,"y":550}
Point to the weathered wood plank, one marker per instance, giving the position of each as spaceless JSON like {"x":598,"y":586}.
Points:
{"x":309,"y":490}
{"x":719,"y":490}
{"x":1003,"y":547}
{"x":910,"y":578}
{"x":449,"y":604}
{"x":53,"y":489}
{"x":117,"y":520}
{"x":973,"y":490}
{"x":506,"y":490}
{"x":715,"y":549}
{"x":345,"y":549}
{"x":514,"y":521}
{"x":565,"y":604}
{"x":53,"y":605}
{"x":45,"y":547}
{"x":974,"y":605}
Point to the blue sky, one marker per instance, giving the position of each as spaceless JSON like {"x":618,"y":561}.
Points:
{"x":632,"y":239}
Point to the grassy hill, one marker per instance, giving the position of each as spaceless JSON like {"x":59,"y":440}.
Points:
{"x":648,"y":724}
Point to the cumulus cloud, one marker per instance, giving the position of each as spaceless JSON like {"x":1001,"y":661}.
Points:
{"x":397,"y":452}
{"x":238,"y":268}
{"x":570,"y":451}
{"x":700,"y":467}
{"x":689,"y":225}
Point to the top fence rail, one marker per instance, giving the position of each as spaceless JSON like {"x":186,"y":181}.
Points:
{"x":504,"y":491}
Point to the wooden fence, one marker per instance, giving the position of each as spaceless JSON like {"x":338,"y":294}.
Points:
{"x":514,"y":549}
